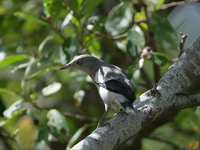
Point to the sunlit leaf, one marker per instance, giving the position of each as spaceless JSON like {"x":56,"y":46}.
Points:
{"x":166,"y":36}
{"x":68,"y":18}
{"x":159,"y":58}
{"x":76,"y":136}
{"x":6,"y":90}
{"x":12,"y":59}
{"x":57,"y":120}
{"x":26,"y":132}
{"x":30,"y":18}
{"x":51,"y":89}
{"x":15,"y":106}
{"x":79,"y":95}
{"x":3,"y":48}
{"x":119,"y":19}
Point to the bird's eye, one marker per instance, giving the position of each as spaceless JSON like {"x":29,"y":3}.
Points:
{"x":78,"y":62}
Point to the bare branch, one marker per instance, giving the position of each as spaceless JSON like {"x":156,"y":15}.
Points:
{"x":182,"y":43}
{"x":165,"y":6}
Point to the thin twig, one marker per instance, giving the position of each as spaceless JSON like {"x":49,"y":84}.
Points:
{"x":182,"y":43}
{"x":177,"y":3}
{"x":56,"y":31}
{"x":80,"y":117}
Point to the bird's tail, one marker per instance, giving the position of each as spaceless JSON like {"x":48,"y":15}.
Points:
{"x":128,"y":107}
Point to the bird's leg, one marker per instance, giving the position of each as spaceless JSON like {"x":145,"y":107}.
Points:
{"x":102,"y":118}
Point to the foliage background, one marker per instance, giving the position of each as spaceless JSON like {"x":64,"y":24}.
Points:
{"x":44,"y":108}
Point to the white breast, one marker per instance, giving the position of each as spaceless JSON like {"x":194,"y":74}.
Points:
{"x":109,"y":97}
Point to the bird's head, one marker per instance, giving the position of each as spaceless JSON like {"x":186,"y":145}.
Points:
{"x":86,"y":63}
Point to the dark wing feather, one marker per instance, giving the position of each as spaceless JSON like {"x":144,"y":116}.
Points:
{"x":119,"y":88}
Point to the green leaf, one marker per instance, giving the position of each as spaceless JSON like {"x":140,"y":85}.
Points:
{"x":46,"y":57}
{"x":12,"y":59}
{"x":69,"y":49}
{"x":76,"y":136}
{"x":159,"y":58}
{"x":132,"y":49}
{"x":21,"y":66}
{"x":30,"y":18}
{"x":37,"y":74}
{"x":76,"y":4}
{"x":14,"y":107}
{"x":136,"y":36}
{"x":165,"y":34}
{"x":67,"y":20}
{"x":119,"y":19}
{"x":5,"y":90}
{"x":51,"y":89}
{"x":44,"y":133}
{"x":28,"y":69}
{"x":90,"y":5}
{"x":53,"y":7}
{"x":57,"y":120}
{"x":43,"y":43}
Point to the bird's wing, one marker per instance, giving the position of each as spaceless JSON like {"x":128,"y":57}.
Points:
{"x":120,"y":88}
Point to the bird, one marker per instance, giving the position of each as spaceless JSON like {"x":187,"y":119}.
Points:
{"x":112,"y":82}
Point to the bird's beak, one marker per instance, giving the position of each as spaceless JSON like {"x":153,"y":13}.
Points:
{"x":65,"y":67}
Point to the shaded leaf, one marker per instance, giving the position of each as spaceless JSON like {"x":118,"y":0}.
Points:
{"x":12,"y":59}
{"x":53,"y":7}
{"x":46,"y":57}
{"x":43,"y":134}
{"x":90,"y":5}
{"x":15,"y":106}
{"x":164,"y":32}
{"x":136,"y":36}
{"x":159,"y":58}
{"x":41,"y":46}
{"x":30,"y":18}
{"x":69,"y":49}
{"x":76,"y":136}
{"x":119,"y":19}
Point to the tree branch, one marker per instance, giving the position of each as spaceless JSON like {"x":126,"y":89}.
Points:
{"x":171,"y":94}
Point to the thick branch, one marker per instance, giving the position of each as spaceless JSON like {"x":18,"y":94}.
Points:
{"x":169,"y":94}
